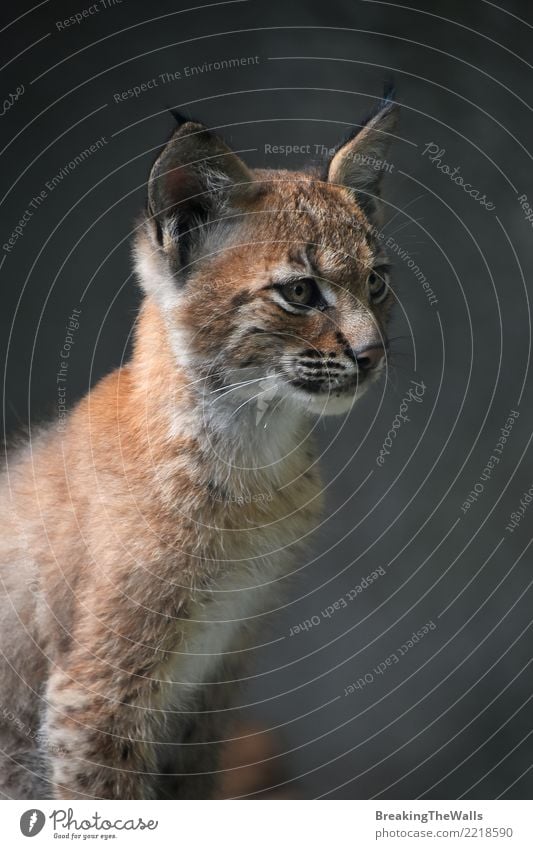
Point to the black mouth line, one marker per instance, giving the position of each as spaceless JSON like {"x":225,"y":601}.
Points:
{"x":321,"y":368}
{"x":323,"y":387}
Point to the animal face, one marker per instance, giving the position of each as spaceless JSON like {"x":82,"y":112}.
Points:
{"x":271,"y":282}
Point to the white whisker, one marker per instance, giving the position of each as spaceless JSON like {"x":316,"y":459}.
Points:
{"x":199,"y":380}
{"x":400,"y":211}
{"x":236,"y":386}
{"x":266,"y":389}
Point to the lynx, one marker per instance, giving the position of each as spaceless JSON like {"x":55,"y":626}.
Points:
{"x":145,"y":540}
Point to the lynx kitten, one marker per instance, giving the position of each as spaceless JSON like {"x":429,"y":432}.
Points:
{"x":143,"y":542}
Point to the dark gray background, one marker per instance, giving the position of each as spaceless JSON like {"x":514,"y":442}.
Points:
{"x":453,"y":717}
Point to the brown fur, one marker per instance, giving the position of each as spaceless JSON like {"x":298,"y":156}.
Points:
{"x":166,"y":506}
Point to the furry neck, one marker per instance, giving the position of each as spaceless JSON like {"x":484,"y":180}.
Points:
{"x":250,"y":436}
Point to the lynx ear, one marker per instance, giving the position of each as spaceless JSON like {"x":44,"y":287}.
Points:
{"x":196,"y":177}
{"x":360,"y":161}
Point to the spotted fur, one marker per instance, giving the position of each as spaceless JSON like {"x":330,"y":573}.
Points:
{"x":142,"y":547}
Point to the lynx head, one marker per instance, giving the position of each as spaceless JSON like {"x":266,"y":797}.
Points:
{"x":265,"y":275}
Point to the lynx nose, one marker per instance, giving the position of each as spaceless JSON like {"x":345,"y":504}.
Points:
{"x":370,"y":357}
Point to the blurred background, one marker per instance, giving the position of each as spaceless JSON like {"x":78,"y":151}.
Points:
{"x":354,"y":705}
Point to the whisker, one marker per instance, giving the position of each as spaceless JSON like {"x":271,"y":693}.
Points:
{"x":228,"y":385}
{"x":236,"y":386}
{"x":400,"y":211}
{"x":199,"y":380}
{"x":405,"y":223}
{"x":267,"y":388}
{"x":272,"y":411}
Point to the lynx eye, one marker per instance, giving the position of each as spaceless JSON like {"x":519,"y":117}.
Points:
{"x":302,"y":292}
{"x":378,"y":285}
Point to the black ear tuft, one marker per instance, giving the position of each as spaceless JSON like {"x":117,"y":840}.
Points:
{"x":389,"y":91}
{"x":384,"y":105}
{"x":179,"y":117}
{"x":360,"y":160}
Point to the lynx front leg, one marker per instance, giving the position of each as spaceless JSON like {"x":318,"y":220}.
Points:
{"x":188,"y":762}
{"x":100,"y":744}
{"x":191,"y":759}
